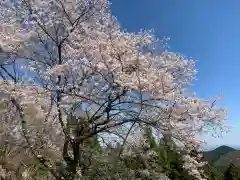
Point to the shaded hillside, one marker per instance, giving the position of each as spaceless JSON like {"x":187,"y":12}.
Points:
{"x":226,"y":159}
{"x":214,"y":155}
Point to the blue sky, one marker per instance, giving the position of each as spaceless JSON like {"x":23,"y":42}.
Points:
{"x":208,"y":31}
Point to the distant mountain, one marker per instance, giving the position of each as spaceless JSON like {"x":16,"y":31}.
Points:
{"x":222,"y":156}
{"x":214,"y":155}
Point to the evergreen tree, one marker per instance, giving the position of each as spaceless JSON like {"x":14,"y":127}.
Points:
{"x":231,"y":173}
{"x":149,"y":138}
{"x":167,"y":157}
{"x":168,"y":161}
{"x":212,"y":172}
{"x":174,"y":165}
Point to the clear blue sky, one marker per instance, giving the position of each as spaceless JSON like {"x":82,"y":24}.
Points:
{"x":208,"y":31}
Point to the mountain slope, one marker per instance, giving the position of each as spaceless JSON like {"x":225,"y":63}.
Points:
{"x":214,"y":155}
{"x":231,"y":157}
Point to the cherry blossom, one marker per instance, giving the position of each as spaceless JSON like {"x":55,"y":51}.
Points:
{"x":75,"y":52}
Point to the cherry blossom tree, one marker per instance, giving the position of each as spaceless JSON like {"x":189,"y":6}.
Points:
{"x":57,"y":56}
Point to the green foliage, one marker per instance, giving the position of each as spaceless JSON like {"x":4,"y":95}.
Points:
{"x":167,"y":158}
{"x":172,"y":164}
{"x":212,"y":172}
{"x":93,"y":143}
{"x":231,"y":173}
{"x":149,"y":138}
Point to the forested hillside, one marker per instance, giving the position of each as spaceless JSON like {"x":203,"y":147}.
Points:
{"x":224,"y":161}
{"x":215,"y":154}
